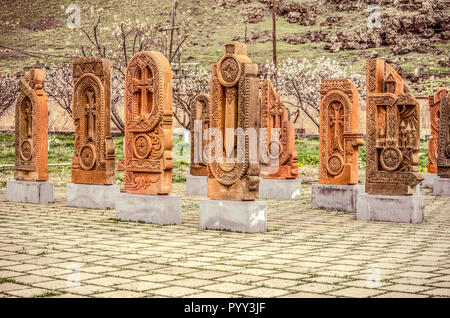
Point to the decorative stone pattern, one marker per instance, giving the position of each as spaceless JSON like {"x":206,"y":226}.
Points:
{"x":94,"y":160}
{"x":199,"y":112}
{"x":274,"y":115}
{"x":434,"y":106}
{"x":339,"y":135}
{"x":234,"y":104}
{"x":443,"y":157}
{"x":148,"y":125}
{"x":393,"y":132}
{"x":31,"y":128}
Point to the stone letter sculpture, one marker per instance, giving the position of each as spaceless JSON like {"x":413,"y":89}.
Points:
{"x":234,"y":105}
{"x":199,"y":113}
{"x":94,"y":160}
{"x":443,"y":156}
{"x":393,"y":132}
{"x":434,"y":105}
{"x":148,"y":124}
{"x":275,"y":116}
{"x":339,"y":135}
{"x":31,"y":137}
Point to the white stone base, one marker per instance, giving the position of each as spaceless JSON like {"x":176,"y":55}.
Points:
{"x":155,"y":209}
{"x":441,"y":186}
{"x":335,"y":196}
{"x":280,"y":189}
{"x":236,"y":216}
{"x":429,"y":180}
{"x":196,"y":185}
{"x":390,"y":208}
{"x":92,"y":196}
{"x":39,"y":192}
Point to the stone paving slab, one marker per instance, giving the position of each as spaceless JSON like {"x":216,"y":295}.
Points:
{"x":58,"y":251}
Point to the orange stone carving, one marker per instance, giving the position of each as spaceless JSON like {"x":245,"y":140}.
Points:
{"x":434,"y":105}
{"x":274,"y":115}
{"x":31,"y":128}
{"x":443,"y":155}
{"x":234,"y":104}
{"x":94,"y":160}
{"x":339,"y":135}
{"x":148,"y":125}
{"x":393,"y":132}
{"x":199,"y":113}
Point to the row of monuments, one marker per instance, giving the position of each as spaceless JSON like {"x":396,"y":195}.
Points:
{"x":235,"y":178}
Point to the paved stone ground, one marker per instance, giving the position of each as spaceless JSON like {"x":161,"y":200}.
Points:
{"x":56,"y":251}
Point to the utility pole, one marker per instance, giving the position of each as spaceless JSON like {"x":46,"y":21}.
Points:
{"x":172,"y":28}
{"x":274,"y":34}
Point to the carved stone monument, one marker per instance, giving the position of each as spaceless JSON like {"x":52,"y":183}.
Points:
{"x":148,"y":142}
{"x":93,"y":163}
{"x":442,"y":184}
{"x":31,"y":142}
{"x":279,"y":170}
{"x":434,"y":105}
{"x":339,"y":139}
{"x":393,"y":132}
{"x":233,"y":176}
{"x":196,"y":178}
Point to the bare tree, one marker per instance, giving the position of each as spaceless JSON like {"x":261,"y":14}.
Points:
{"x":59,"y":86}
{"x":8,"y":92}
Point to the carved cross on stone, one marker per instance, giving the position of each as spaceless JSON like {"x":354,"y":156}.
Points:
{"x":28,"y":118}
{"x":90,"y":107}
{"x":336,"y":121}
{"x":143,"y":86}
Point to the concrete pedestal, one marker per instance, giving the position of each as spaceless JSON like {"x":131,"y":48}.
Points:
{"x":39,"y":192}
{"x":101,"y":197}
{"x":236,"y":216}
{"x":155,"y":209}
{"x":276,"y":189}
{"x":196,"y":185}
{"x":390,"y":208}
{"x":335,"y":196}
{"x":429,"y":180}
{"x":441,"y":186}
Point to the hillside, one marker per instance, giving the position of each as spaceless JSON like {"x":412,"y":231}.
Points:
{"x":412,"y":35}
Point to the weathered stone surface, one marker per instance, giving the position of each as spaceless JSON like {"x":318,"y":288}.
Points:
{"x":434,"y":102}
{"x":390,"y":208}
{"x":441,"y":186}
{"x":335,"y":196}
{"x":92,"y":196}
{"x":234,"y":104}
{"x":443,"y":156}
{"x":94,"y":160}
{"x":393,"y":132}
{"x":339,"y":135}
{"x":39,"y":192}
{"x":31,"y":128}
{"x":148,"y":125}
{"x":279,"y":189}
{"x":236,"y":216}
{"x":200,"y":118}
{"x":196,"y":185}
{"x":155,"y":209}
{"x":428,"y":181}
{"x":279,"y":130}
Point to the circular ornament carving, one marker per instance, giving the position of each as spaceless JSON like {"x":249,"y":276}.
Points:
{"x":142,"y":146}
{"x":335,"y":164}
{"x":87,"y":157}
{"x":26,"y":149}
{"x":229,"y":70}
{"x":391,"y":158}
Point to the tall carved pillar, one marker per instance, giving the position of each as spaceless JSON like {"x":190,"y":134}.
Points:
{"x":199,"y":125}
{"x":234,"y":104}
{"x":443,"y":153}
{"x":339,"y":134}
{"x":434,"y":102}
{"x":94,"y":160}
